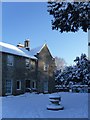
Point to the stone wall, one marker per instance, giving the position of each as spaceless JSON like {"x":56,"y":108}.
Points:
{"x":47,"y":77}
{"x":44,"y":79}
{"x":17,"y":72}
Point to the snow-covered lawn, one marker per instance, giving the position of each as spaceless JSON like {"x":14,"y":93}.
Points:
{"x":31,"y":105}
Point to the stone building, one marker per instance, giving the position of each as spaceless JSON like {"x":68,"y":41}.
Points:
{"x":24,"y":69}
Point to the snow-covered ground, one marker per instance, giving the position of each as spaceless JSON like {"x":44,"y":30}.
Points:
{"x":31,"y":105}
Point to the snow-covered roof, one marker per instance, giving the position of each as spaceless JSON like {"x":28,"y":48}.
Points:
{"x":27,"y":52}
{"x":36,"y":50}
{"x":8,"y":48}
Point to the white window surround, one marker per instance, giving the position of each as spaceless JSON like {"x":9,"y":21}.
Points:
{"x":33,"y":85}
{"x":10,"y":60}
{"x":8,"y":87}
{"x":32,"y":65}
{"x":27,"y":63}
{"x":46,"y":66}
{"x":18,"y":87}
{"x":45,"y":86}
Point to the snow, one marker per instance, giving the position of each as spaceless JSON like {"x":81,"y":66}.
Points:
{"x":52,"y":96}
{"x":79,"y":73}
{"x":8,"y":48}
{"x":0,"y":108}
{"x":54,"y":107}
{"x":31,"y":105}
{"x":34,"y":51}
{"x":28,"y":53}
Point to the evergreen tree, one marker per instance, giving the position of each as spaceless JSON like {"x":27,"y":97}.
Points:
{"x":69,"y":16}
{"x":79,"y":73}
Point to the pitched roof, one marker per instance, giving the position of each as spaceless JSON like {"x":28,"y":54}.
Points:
{"x":8,"y":48}
{"x":36,"y":50}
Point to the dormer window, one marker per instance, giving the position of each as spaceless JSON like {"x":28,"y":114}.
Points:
{"x":27,"y":63}
{"x":10,"y":60}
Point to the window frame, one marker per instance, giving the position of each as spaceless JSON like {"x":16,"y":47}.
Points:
{"x":19,"y":85}
{"x":33,"y":64}
{"x":10,"y":60}
{"x":29,"y":83}
{"x":27,"y":63}
{"x":33,"y":84}
{"x":45,"y":67}
{"x":8,"y":82}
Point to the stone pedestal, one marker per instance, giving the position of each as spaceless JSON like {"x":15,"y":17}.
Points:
{"x":55,"y":103}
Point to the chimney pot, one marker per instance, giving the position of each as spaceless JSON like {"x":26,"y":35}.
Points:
{"x":26,"y":44}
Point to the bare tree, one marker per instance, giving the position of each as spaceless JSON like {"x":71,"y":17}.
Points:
{"x":60,"y":63}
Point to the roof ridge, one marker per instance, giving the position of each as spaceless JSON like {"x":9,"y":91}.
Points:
{"x":36,"y":50}
{"x":12,"y":49}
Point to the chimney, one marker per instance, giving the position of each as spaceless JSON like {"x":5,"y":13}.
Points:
{"x":26,"y":44}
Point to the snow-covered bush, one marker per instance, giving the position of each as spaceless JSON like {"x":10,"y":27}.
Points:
{"x":77,"y":74}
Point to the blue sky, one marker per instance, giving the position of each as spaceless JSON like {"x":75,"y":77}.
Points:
{"x":21,"y":20}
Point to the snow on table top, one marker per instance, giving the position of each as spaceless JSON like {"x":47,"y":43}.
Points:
{"x":8,"y":48}
{"x":32,"y":105}
{"x":54,"y":96}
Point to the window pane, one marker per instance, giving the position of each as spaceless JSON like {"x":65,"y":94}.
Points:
{"x":18,"y":85}
{"x":46,"y":67}
{"x":10,"y":60}
{"x":32,"y":64}
{"x":27,"y":83}
{"x":8,"y":87}
{"x":33,"y":84}
{"x":27,"y":63}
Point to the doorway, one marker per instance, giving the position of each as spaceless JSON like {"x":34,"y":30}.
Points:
{"x":8,"y":87}
{"x":27,"y":83}
{"x":45,"y":86}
